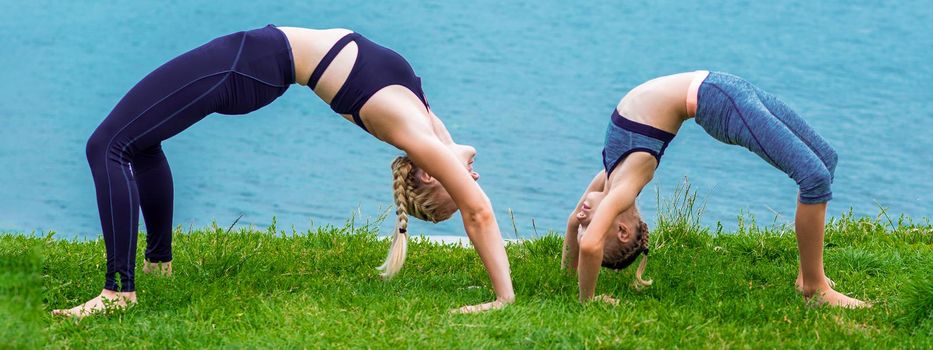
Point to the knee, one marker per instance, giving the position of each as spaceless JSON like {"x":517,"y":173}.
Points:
{"x":817,"y":186}
{"x":103,"y":145}
{"x":96,"y":148}
{"x":831,"y":160}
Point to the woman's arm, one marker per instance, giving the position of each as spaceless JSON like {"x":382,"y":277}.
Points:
{"x":571,"y":246}
{"x":440,"y":129}
{"x":432,"y":156}
{"x":631,"y":176}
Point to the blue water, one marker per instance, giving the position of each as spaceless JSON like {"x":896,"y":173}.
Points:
{"x":530,"y":83}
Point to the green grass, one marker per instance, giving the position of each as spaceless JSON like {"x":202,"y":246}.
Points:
{"x":319,"y":289}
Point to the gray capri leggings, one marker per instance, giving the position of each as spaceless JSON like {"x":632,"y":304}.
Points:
{"x":736,"y":112}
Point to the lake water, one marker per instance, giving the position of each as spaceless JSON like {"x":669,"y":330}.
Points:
{"x":531,"y":84}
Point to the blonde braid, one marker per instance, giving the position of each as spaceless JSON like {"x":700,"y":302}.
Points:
{"x":402,"y":187}
{"x":640,"y":283}
{"x":411,"y":198}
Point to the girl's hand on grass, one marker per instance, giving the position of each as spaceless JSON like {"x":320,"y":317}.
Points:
{"x":471,"y":309}
{"x":606,"y":299}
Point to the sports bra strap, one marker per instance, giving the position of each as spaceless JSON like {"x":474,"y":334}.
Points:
{"x":328,"y":58}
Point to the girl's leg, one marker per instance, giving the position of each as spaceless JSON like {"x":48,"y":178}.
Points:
{"x":809,"y":137}
{"x":800,"y":128}
{"x":752,"y":125}
{"x":810,"y":224}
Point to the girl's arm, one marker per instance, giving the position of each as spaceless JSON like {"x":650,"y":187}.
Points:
{"x":571,"y":246}
{"x":432,"y":156}
{"x":630,"y":177}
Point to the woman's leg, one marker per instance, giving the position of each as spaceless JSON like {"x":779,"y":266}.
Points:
{"x":113,"y":151}
{"x":156,"y":193}
{"x":125,"y":149}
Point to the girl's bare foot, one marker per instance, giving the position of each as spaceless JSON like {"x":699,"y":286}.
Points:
{"x":470,"y":309}
{"x":833,"y":298}
{"x":107,"y":300}
{"x":798,"y":284}
{"x":157,"y":268}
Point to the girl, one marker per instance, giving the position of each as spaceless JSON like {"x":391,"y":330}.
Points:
{"x":367,"y":84}
{"x":606,"y":229}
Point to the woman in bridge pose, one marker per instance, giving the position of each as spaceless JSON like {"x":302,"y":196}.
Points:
{"x":364,"y":82}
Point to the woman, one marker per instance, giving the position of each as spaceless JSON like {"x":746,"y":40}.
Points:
{"x":606,"y":228}
{"x":367,"y":84}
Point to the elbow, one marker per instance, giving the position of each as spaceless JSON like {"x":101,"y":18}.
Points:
{"x":590,"y":247}
{"x":480,"y":216}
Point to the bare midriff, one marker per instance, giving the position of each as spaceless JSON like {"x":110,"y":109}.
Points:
{"x":694,"y":90}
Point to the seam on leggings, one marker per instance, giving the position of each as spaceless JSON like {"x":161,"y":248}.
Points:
{"x":812,"y":149}
{"x":742,"y":116}
{"x":129,"y":192}
{"x":257,"y":79}
{"x":238,"y":52}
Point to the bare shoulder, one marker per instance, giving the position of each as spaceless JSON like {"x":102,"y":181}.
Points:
{"x":393,"y":113}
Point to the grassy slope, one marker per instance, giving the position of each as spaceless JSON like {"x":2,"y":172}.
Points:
{"x":251,"y":288}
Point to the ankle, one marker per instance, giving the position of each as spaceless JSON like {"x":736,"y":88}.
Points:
{"x":109,"y":294}
{"x":118,"y":296}
{"x":815,"y":289}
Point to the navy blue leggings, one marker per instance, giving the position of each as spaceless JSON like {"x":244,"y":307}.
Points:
{"x":233,"y":74}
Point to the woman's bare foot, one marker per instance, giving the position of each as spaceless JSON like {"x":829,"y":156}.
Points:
{"x":157,"y":268}
{"x":833,"y":298}
{"x":107,"y":300}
